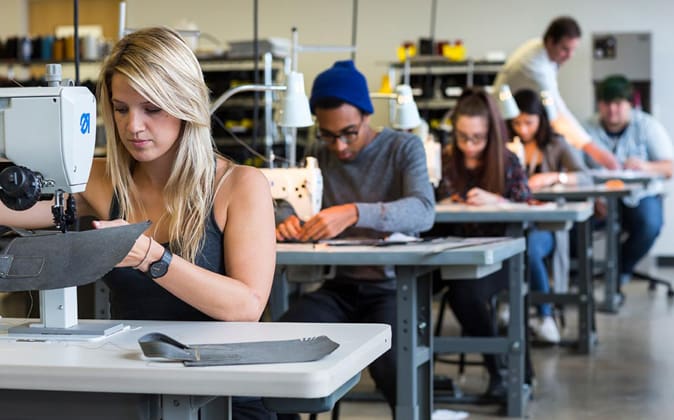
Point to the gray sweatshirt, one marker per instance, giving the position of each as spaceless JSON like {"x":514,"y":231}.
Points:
{"x":388,"y":181}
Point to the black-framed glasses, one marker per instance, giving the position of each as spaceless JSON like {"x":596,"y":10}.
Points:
{"x":477,"y":139}
{"x":347,"y":137}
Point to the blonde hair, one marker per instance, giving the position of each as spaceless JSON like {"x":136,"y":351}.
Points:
{"x":161,"y":67}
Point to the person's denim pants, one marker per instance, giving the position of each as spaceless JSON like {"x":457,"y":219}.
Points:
{"x":540,"y":244}
{"x":642,"y":225}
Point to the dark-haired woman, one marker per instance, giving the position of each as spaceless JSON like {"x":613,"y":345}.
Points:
{"x":549,"y":160}
{"x":478,"y":169}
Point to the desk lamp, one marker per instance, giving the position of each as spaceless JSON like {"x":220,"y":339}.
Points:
{"x":507,"y":104}
{"x":295,"y":106}
{"x":549,"y":104}
{"x":509,"y":110}
{"x":403,"y":111}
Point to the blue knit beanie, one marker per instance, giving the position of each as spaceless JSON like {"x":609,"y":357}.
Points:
{"x":344,"y":82}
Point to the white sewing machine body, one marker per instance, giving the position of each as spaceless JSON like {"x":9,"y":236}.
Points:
{"x":51,"y":130}
{"x":302,"y":188}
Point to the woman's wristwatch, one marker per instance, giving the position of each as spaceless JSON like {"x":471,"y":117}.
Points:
{"x":160,"y":267}
{"x":562,"y":178}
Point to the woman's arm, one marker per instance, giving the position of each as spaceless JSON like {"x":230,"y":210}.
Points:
{"x":244,"y":209}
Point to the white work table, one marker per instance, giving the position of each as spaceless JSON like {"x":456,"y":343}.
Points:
{"x":415,"y":336}
{"x":116,"y":365}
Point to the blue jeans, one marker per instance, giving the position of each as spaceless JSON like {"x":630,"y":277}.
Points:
{"x":642,"y":225}
{"x":540,"y":244}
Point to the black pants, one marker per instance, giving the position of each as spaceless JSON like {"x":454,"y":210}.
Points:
{"x":354,"y":301}
{"x":470,"y":302}
{"x":250,"y":408}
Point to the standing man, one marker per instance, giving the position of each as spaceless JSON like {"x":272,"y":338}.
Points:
{"x":638,"y":142}
{"x":535,"y":64}
{"x":374,"y":183}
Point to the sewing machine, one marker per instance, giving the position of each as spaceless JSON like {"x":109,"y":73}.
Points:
{"x":49,"y":134}
{"x":302,"y":188}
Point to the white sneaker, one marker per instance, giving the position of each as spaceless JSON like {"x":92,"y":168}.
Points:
{"x":546,"y":330}
{"x":444,"y":414}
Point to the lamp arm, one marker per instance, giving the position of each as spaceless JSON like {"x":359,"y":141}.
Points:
{"x":380,"y":95}
{"x":243,"y":88}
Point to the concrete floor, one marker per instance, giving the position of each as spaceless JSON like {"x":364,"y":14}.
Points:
{"x":630,"y":375}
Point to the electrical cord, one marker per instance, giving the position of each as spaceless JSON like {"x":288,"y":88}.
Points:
{"x":254,"y":152}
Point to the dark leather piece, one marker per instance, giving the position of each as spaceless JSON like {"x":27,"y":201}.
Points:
{"x":158,"y":345}
{"x":52,"y":260}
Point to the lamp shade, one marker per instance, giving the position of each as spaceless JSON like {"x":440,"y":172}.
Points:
{"x":507,"y":104}
{"x":549,"y":105}
{"x":406,"y":111}
{"x":295,"y":106}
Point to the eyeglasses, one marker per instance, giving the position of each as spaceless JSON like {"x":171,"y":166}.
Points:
{"x":477,"y":139}
{"x":347,"y":137}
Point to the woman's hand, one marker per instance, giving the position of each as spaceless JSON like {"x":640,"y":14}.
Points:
{"x":542,"y":180}
{"x":138,"y":256}
{"x":480,"y":197}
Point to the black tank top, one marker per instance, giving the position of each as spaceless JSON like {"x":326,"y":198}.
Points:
{"x":133,"y":295}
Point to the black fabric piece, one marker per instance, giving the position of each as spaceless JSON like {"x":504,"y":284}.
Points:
{"x":43,"y":260}
{"x":158,"y":345}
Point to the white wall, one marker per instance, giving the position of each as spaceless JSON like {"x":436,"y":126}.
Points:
{"x":484,"y":25}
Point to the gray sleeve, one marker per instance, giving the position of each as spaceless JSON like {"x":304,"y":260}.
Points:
{"x":414,"y":211}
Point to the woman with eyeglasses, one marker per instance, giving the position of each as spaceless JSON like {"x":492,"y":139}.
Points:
{"x":478,"y":169}
{"x":549,"y":160}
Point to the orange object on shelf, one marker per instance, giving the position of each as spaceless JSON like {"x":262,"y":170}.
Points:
{"x":614,"y":184}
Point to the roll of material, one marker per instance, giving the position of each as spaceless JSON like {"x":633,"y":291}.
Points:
{"x":90,"y":48}
{"x":47,"y":50}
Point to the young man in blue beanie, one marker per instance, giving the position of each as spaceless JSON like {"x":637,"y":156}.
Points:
{"x":374,"y":183}
{"x":639,"y":142}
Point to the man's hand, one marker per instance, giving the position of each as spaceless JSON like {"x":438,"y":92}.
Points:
{"x":480,"y":197}
{"x":289,"y":229}
{"x":636,"y":164}
{"x":329,"y":222}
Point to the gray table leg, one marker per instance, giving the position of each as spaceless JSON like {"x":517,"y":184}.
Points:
{"x":414,"y":373}
{"x":585,"y":297}
{"x":610,"y":303}
{"x":516,"y":367}
{"x":186,"y":407}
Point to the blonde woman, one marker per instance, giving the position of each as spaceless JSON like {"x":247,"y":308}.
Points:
{"x":210,"y":218}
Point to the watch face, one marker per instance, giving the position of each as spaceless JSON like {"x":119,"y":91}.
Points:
{"x":161,"y":266}
{"x":563,"y":178}
{"x":158,"y":269}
